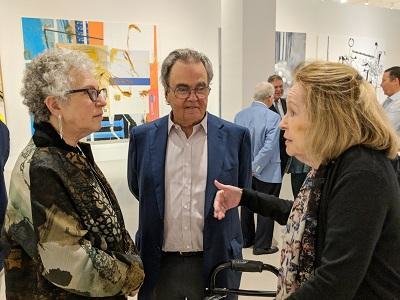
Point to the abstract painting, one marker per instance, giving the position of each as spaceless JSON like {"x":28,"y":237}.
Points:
{"x":125,"y":58}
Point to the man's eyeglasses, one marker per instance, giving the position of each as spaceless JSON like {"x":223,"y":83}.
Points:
{"x":183,"y":92}
{"x":92,"y":92}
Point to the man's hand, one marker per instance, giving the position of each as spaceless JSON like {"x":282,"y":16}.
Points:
{"x":227,"y":197}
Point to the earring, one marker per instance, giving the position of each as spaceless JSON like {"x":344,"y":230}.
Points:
{"x":60,"y":129}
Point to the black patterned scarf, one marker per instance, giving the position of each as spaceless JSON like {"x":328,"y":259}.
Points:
{"x":298,"y":249}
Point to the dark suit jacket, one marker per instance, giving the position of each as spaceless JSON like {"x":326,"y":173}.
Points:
{"x":4,"y":152}
{"x":282,"y":145}
{"x":229,"y":161}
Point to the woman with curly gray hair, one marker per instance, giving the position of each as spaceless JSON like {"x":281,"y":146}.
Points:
{"x":64,"y":225}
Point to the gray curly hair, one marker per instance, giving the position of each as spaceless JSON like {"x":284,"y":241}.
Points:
{"x":186,"y":55}
{"x":49,"y":74}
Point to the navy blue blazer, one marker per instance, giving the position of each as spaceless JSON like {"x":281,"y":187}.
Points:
{"x":4,"y":152}
{"x":229,"y":161}
{"x":282,"y":145}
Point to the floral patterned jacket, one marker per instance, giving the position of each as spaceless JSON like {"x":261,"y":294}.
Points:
{"x":64,"y":227}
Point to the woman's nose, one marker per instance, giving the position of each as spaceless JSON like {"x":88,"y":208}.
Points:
{"x":283,"y":123}
{"x":101,"y":100}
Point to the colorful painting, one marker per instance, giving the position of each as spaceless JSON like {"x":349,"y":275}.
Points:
{"x":125,"y":56}
{"x":2,"y":105}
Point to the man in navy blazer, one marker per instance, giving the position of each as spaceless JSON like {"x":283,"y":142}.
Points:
{"x":172,"y":163}
{"x":263,"y":124}
{"x":279,"y":106}
{"x":4,"y":152}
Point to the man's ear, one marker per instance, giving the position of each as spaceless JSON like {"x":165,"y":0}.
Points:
{"x":53,"y":105}
{"x":166,"y":98}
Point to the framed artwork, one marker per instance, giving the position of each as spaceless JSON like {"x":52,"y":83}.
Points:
{"x":126,"y":63}
{"x":290,"y":51}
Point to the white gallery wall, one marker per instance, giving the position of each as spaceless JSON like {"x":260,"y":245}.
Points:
{"x":319,"y":19}
{"x":180,"y":23}
{"x":247,"y":50}
{"x":316,"y":18}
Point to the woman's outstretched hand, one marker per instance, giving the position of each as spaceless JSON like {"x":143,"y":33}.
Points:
{"x":227,"y":197}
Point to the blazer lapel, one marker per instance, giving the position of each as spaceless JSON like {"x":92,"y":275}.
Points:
{"x":272,"y":107}
{"x":158,"y":147}
{"x":215,"y":148}
{"x":283,"y":101}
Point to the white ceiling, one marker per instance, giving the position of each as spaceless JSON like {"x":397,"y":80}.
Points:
{"x":391,"y":4}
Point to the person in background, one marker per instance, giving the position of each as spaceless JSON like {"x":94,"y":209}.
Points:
{"x":342,"y":234}
{"x":391,"y":87}
{"x":64,"y":226}
{"x":4,"y":152}
{"x":172,"y":163}
{"x":298,"y":172}
{"x":279,"y":106}
{"x":263,"y":125}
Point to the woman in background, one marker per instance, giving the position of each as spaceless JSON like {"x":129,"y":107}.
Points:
{"x":64,"y":225}
{"x":342,"y":234}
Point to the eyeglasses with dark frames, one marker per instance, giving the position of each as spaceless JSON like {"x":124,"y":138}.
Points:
{"x":183,"y":92}
{"x":92,"y":92}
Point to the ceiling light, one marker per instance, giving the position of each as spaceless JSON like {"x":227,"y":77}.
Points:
{"x":343,"y":1}
{"x":366,"y":3}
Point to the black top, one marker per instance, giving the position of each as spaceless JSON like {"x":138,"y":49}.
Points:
{"x":358,"y":231}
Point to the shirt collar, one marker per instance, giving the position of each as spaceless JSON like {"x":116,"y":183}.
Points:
{"x":202,"y":124}
{"x":395,"y":96}
{"x":259,"y":102}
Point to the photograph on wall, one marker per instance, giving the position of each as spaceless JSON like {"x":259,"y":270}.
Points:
{"x":125,"y":59}
{"x":290,"y":51}
{"x":2,"y":104}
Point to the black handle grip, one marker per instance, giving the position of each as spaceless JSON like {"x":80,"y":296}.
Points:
{"x":244,"y":265}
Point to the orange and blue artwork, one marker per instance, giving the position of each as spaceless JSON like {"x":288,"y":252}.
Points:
{"x":125,"y":56}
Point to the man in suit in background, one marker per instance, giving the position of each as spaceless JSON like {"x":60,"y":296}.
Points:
{"x":4,"y":152}
{"x":279,"y":106}
{"x":391,"y":87}
{"x":263,"y":125}
{"x":172,"y":163}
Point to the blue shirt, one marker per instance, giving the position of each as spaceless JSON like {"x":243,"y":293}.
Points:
{"x":263,"y":125}
{"x":392,"y":107}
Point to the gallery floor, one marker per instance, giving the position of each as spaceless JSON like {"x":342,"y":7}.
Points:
{"x":257,"y":281}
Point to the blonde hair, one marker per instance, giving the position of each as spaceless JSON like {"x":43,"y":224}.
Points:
{"x":343,"y":111}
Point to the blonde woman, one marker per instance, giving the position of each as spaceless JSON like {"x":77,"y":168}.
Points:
{"x":342,"y":234}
